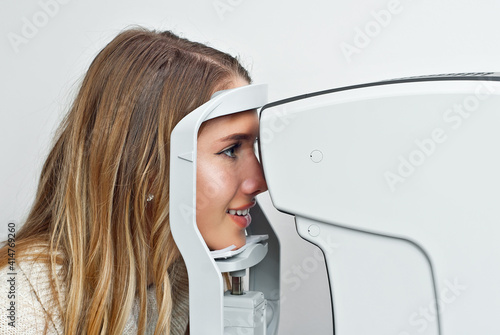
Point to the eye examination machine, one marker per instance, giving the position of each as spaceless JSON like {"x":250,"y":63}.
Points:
{"x":402,"y":174}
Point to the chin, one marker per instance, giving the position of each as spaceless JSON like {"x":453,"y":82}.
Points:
{"x":222,"y":239}
{"x":239,"y":243}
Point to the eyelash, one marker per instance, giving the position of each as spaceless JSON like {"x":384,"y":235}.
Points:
{"x":230,"y":151}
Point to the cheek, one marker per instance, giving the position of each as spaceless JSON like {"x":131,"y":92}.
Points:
{"x":210,"y":186}
{"x":216,"y":183}
{"x":216,"y":187}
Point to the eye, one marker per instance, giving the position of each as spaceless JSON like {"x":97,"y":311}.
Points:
{"x":230,"y":151}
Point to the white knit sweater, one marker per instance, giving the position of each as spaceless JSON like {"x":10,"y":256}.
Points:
{"x":33,"y":298}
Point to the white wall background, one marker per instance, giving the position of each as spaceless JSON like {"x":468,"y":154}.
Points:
{"x":294,"y":46}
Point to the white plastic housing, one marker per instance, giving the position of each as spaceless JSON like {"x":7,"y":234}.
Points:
{"x":402,"y":177}
{"x":205,"y":279}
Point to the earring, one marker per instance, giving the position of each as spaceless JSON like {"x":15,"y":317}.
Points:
{"x":150,"y":197}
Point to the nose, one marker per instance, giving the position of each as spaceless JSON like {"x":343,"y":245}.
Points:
{"x":254,"y":182}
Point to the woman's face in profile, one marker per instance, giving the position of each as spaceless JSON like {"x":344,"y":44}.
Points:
{"x":229,"y":176}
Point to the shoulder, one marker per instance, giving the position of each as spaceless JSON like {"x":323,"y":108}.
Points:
{"x":180,"y":297}
{"x":25,"y":288}
{"x":131,"y":327}
{"x":180,"y":305}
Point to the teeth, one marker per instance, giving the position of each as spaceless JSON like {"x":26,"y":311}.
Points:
{"x":239,"y":212}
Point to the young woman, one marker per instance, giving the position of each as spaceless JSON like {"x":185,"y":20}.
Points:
{"x":96,"y":255}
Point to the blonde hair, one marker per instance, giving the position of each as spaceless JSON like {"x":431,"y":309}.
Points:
{"x":111,"y":151}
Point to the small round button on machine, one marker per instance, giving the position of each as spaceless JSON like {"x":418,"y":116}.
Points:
{"x":316,"y":156}
{"x":313,"y":230}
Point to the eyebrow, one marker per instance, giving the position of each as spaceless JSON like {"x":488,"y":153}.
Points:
{"x":238,"y":137}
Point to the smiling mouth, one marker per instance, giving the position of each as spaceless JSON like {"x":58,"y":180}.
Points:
{"x":240,"y":212}
{"x":241,"y":216}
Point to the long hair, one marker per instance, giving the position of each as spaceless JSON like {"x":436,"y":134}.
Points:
{"x":110,"y":152}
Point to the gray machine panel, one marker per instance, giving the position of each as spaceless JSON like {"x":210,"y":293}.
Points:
{"x":403,"y":175}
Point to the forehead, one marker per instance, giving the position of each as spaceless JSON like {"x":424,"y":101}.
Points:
{"x":242,"y":122}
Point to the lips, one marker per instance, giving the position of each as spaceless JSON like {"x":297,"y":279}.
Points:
{"x":241,"y":216}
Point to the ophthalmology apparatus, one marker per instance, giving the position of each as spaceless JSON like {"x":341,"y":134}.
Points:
{"x":402,"y":174}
